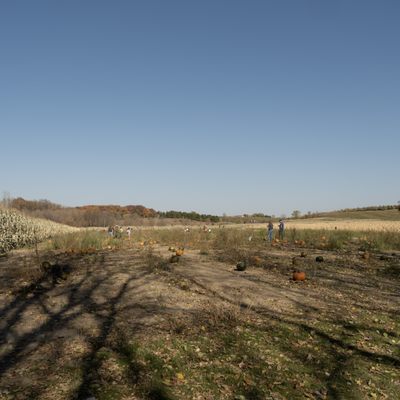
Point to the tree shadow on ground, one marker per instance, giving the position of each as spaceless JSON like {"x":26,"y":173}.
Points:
{"x":56,"y":307}
{"x":340,"y":353}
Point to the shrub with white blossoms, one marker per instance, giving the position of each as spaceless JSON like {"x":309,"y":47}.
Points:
{"x":17,"y":230}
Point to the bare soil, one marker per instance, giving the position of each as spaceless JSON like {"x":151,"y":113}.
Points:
{"x":53,"y":328}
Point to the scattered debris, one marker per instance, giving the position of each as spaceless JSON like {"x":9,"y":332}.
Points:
{"x":174,"y":259}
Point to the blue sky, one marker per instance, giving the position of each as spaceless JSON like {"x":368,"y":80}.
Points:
{"x":215,"y":106}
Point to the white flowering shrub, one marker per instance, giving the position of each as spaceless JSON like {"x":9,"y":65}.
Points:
{"x":17,"y":230}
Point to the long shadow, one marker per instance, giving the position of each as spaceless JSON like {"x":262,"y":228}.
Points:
{"x":79,"y":295}
{"x":29,"y":295}
{"x":35,"y":288}
{"x":281,"y":317}
{"x":147,"y":379}
{"x":338,"y":357}
{"x":90,"y":363}
{"x":347,"y":286}
{"x":19,"y":304}
{"x":336,"y":354}
{"x":59,"y":319}
{"x":349,"y":291}
{"x":78,"y":298}
{"x":119,"y":345}
{"x":376,"y":357}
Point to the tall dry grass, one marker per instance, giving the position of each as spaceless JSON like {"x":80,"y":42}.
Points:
{"x":17,"y":230}
{"x":233,"y":239}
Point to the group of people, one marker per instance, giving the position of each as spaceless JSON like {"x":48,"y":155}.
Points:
{"x":117,"y":231}
{"x":281,"y":230}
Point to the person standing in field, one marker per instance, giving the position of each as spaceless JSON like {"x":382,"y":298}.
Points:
{"x":129,"y":231}
{"x":281,"y":229}
{"x":270,"y":230}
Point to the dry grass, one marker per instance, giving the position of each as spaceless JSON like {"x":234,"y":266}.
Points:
{"x":351,"y":225}
{"x":340,"y":224}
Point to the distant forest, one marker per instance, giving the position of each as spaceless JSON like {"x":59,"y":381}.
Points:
{"x":103,"y":215}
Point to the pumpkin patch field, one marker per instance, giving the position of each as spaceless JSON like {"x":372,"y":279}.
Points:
{"x":312,"y":316}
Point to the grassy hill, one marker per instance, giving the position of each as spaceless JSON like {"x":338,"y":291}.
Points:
{"x":385,"y":215}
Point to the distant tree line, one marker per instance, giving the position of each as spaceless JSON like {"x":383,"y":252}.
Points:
{"x":105,"y":215}
{"x":193,"y":215}
{"x":372,"y":208}
{"x":32,"y":205}
{"x":100,"y":215}
{"x":247,"y":218}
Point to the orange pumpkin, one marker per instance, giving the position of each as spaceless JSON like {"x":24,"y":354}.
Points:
{"x":179,"y":252}
{"x":299,"y":276}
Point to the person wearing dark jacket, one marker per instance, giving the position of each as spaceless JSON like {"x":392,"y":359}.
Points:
{"x":281,"y":229}
{"x":270,"y":230}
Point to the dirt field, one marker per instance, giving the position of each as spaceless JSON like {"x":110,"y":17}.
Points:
{"x":127,"y":324}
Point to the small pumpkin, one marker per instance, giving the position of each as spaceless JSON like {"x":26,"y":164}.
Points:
{"x":179,"y":252}
{"x":299,"y":276}
{"x":241,"y":266}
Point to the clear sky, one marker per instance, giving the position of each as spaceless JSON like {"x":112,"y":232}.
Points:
{"x":214,"y":106}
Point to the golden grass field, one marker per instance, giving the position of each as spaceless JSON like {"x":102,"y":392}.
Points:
{"x":344,"y":224}
{"x":356,"y":225}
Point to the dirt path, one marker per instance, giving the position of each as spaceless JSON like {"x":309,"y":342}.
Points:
{"x":330,"y":290}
